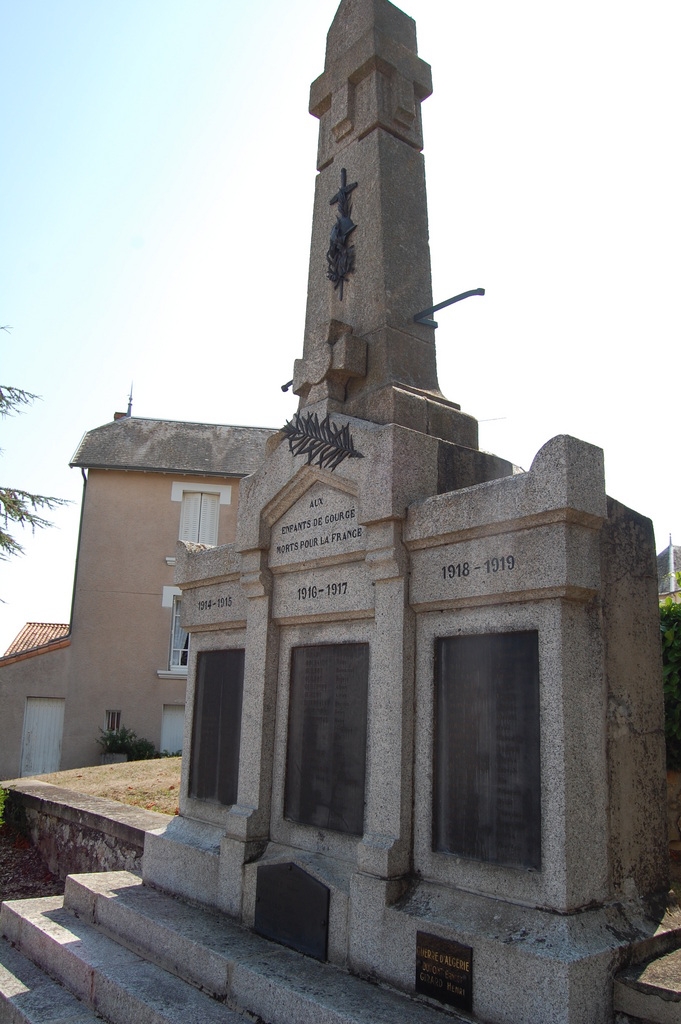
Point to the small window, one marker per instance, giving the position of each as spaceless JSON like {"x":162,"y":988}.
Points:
{"x":113,"y":721}
{"x":179,"y":638}
{"x":199,"y":517}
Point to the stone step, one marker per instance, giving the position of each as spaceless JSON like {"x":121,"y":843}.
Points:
{"x":650,"y":993}
{"x":110,"y":979}
{"x":29,"y":996}
{"x":229,"y":962}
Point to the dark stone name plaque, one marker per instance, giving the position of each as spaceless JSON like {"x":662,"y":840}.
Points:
{"x":444,"y":970}
{"x":487,"y":780}
{"x":216,"y":729}
{"x":326,"y":754}
{"x":292,"y":907}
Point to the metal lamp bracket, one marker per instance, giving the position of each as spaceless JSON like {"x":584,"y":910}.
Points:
{"x":424,"y":316}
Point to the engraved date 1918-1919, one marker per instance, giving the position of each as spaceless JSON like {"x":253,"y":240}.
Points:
{"x":315,"y":592}
{"x":502,"y":563}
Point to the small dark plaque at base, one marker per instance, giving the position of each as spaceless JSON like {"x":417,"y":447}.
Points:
{"x":444,"y":970}
{"x":292,"y":907}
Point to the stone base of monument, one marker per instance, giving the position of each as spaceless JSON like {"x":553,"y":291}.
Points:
{"x":134,"y":954}
{"x":115,"y":949}
{"x":184,"y":857}
{"x":500,"y":848}
{"x":527,"y":964}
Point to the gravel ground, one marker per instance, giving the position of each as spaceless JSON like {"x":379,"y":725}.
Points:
{"x":23,"y":872}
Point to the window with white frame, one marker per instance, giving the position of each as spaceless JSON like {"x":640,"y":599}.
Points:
{"x":199,"y":517}
{"x":179,"y":639}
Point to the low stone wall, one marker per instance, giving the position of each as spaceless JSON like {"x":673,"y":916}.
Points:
{"x":78,"y":833}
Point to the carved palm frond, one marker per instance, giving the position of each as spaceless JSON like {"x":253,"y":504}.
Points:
{"x":322,"y":442}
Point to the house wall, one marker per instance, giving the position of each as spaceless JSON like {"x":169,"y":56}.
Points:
{"x":44,"y":675}
{"x":120,"y":632}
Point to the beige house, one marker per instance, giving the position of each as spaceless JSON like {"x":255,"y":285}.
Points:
{"x":122,"y":661}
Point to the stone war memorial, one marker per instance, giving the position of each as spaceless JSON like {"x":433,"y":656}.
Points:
{"x":424,"y":735}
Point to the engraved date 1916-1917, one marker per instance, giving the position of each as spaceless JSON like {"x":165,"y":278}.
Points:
{"x":315,"y":593}
{"x":502,"y":563}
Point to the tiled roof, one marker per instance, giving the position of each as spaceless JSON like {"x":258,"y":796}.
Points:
{"x":204,"y":449}
{"x":35,"y":634}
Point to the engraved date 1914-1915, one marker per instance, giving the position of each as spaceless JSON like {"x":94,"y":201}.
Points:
{"x":215,"y":602}
{"x":502,"y":563}
{"x":315,"y":593}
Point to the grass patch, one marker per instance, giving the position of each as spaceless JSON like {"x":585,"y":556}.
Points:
{"x":153,"y":785}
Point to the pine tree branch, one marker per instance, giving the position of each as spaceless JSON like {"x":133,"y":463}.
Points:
{"x":17,"y":506}
{"x":21,"y":507}
{"x":12,"y":399}
{"x":323,"y":442}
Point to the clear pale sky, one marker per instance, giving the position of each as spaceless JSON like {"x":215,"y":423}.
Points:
{"x":156,"y":183}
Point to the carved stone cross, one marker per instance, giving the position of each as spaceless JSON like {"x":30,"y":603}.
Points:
{"x":363,"y":354}
{"x":341,"y":255}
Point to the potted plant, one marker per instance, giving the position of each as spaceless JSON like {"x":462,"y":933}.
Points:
{"x":114,"y":744}
{"x":124,"y":745}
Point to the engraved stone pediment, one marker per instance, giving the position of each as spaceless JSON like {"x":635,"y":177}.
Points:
{"x":322,"y":523}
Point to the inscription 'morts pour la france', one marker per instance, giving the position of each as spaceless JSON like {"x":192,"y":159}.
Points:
{"x":487,"y":778}
{"x":323,"y":523}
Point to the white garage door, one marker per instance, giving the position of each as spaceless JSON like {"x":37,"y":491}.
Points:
{"x":43,"y":728}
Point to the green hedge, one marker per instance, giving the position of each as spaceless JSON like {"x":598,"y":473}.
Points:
{"x":670,"y":627}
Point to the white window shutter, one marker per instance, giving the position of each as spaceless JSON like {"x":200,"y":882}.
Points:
{"x":208,"y":526}
{"x":190,"y":516}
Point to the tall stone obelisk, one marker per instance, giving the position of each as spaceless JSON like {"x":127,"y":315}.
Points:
{"x":370,"y":262}
{"x":431,"y":684}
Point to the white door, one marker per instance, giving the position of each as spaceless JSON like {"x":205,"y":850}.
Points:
{"x":43,"y":728}
{"x":172,"y":728}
